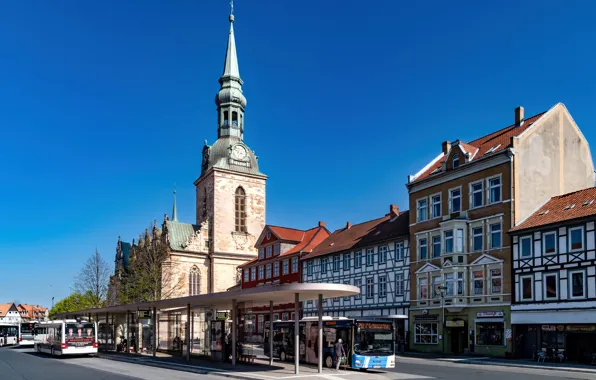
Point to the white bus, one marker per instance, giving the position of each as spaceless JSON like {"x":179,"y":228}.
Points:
{"x":8,"y":334}
{"x":66,"y":337}
{"x":26,"y":334}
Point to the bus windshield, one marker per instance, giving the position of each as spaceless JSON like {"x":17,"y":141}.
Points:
{"x":27,"y":328}
{"x":371,"y":342}
{"x":79,"y":334}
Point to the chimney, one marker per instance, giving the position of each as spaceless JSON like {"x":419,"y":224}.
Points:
{"x":348,"y":225}
{"x":322,"y":224}
{"x":393,"y":210}
{"x":519,"y":116}
{"x":446,"y":147}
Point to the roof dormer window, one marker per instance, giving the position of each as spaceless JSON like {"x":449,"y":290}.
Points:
{"x":455,"y":161}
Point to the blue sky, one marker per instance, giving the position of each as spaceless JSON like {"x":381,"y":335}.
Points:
{"x":104,"y":105}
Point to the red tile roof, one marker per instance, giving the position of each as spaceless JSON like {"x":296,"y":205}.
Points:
{"x":364,"y":234}
{"x":558,"y":209}
{"x":284,"y":233}
{"x":500,"y":139}
{"x":306,"y":242}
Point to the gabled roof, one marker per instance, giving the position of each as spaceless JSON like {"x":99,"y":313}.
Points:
{"x":578,"y":204}
{"x":285,"y":233}
{"x":5,"y":308}
{"x":497,"y":141}
{"x":364,"y":234}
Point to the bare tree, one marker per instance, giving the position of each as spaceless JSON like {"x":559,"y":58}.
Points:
{"x":94,"y":279}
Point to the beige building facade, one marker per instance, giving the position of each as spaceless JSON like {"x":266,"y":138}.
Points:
{"x":463,"y":203}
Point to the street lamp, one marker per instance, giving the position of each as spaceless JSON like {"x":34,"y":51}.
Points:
{"x":441,"y":290}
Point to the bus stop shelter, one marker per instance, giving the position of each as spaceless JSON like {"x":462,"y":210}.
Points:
{"x":267,"y":295}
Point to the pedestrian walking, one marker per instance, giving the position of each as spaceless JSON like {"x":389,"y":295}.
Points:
{"x":340,"y":352}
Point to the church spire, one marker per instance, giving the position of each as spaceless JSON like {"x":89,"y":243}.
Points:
{"x":230,"y":100}
{"x":174,"y":211}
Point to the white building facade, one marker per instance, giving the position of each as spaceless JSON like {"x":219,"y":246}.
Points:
{"x":373,"y":256}
{"x":554,"y":264}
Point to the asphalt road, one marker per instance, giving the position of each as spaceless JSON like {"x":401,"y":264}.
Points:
{"x":484,"y":371}
{"x":24,"y":364}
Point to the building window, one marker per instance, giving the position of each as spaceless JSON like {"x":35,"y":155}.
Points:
{"x":476,"y":195}
{"x":293,"y":316}
{"x":448,"y":241}
{"x":309,"y":268}
{"x":276,"y":249}
{"x":426,"y":333}
{"x":454,"y":200}
{"x":422,"y":209}
{"x":276,"y":269}
{"x":261,"y":253}
{"x":450,"y":284}
{"x":370,"y":256}
{"x":194,"y":282}
{"x":324,"y":266}
{"x":336,"y":263}
{"x":268,"y":271}
{"x":240,"y":209}
{"x":276,"y":317}
{"x":577,"y":284}
{"x":496,"y":281}
{"x":347,"y":298}
{"x":358,"y":284}
{"x":436,"y":246}
{"x":253,"y":273}
{"x":382,"y":286}
{"x":459,"y":240}
{"x":383,"y":254}
{"x":370,"y":287}
{"x":551,"y":284}
{"x":357,"y":259}
{"x":494,"y":190}
{"x":295,"y":265}
{"x":477,"y":239}
{"x":527,"y":288}
{"x":423,"y":288}
{"x":435,"y":206}
{"x":347,"y":258}
{"x":478,"y":282}
{"x":399,"y":251}
{"x":422,"y":249}
{"x":285,"y":267}
{"x":576,"y":238}
{"x":495,"y":235}
{"x":549,"y":243}
{"x":261,"y":272}
{"x":269,"y":248}
{"x":436,"y":284}
{"x":525,"y":246}
{"x":246,"y":275}
{"x":455,"y":161}
{"x":490,"y":333}
{"x":399,"y":284}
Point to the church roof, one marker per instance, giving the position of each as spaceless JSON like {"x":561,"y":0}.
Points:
{"x":218,"y":156}
{"x":179,"y":233}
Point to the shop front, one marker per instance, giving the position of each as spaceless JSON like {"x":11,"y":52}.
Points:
{"x":457,"y":331}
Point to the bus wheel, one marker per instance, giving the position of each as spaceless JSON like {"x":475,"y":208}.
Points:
{"x":329,"y":361}
{"x":282,"y":356}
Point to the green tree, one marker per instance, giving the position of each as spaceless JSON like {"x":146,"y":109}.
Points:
{"x":73,"y":302}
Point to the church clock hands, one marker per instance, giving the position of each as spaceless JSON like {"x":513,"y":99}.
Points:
{"x":239,"y":152}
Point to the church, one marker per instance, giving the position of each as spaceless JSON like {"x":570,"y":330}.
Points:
{"x":230,"y":213}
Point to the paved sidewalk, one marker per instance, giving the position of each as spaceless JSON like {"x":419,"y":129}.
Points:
{"x":259,"y":370}
{"x":480,"y":360}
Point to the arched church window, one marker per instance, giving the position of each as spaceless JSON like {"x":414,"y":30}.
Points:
{"x":234,"y":119}
{"x":194,"y":282}
{"x":226,"y":118}
{"x":240,"y":209}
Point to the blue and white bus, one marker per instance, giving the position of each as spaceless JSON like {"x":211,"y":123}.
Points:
{"x":369,"y":343}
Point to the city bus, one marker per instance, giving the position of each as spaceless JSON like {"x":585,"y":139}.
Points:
{"x":8,"y":334}
{"x":26,"y":334}
{"x":66,"y":337}
{"x":369,"y":343}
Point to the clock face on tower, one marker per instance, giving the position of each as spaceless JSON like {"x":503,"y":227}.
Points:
{"x":239,"y":153}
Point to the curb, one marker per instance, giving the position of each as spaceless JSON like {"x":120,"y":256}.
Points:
{"x":179,"y":367}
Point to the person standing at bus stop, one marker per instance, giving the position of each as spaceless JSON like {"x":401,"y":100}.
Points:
{"x":340,"y":352}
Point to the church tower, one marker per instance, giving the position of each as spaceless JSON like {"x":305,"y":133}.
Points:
{"x":230,"y":191}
